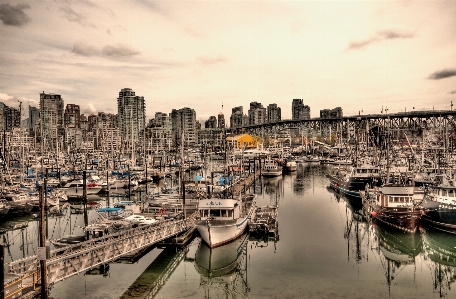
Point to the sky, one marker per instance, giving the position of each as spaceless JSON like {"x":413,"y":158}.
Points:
{"x":363,"y":56}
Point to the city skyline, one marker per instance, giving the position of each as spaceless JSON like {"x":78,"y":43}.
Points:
{"x":212,"y":56}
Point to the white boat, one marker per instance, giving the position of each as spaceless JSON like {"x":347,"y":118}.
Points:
{"x":271,"y":168}
{"x":76,"y":188}
{"x":223,"y":220}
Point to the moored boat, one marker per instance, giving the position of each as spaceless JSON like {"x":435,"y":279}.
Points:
{"x":392,"y":204}
{"x":223,"y":220}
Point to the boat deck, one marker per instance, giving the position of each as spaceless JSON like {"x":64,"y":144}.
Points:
{"x":264,"y":222}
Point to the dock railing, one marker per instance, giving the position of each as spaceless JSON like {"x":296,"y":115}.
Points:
{"x":67,"y":261}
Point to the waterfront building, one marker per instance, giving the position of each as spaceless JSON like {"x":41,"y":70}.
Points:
{"x":299,"y":110}
{"x":51,"y":119}
{"x":274,"y":113}
{"x":184,"y":122}
{"x":257,"y":114}
{"x":243,"y":141}
{"x":131,"y":113}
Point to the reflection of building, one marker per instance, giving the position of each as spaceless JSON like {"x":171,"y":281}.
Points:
{"x":299,"y":110}
{"x":131,"y":112}
{"x":51,"y":118}
{"x":331,"y":113}
{"x":274,"y":113}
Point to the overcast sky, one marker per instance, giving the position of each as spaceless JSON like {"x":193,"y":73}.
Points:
{"x":359,"y":55}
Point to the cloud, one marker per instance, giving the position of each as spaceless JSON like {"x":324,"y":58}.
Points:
{"x":452,"y":92}
{"x":84,"y":49}
{"x":73,"y":16}
{"x":211,"y":60}
{"x":14,"y":15}
{"x":446,"y":73}
{"x":119,"y":50}
{"x":89,"y":109}
{"x":13,"y":101}
{"x":379,"y":36}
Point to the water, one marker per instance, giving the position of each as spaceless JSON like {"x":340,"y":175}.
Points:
{"x":324,"y":249}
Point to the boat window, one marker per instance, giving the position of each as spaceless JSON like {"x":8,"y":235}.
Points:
{"x":450,"y":193}
{"x":444,"y":192}
{"x":230,"y":213}
{"x":215,"y":213}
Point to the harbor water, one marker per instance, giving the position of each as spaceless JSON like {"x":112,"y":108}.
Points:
{"x":325,"y":248}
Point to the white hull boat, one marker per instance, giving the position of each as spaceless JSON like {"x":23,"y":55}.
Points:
{"x":223,"y":220}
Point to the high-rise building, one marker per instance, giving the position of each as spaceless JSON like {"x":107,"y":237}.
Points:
{"x":72,"y":116}
{"x":211,"y":123}
{"x":51,"y":119}
{"x":184,"y":120}
{"x":9,"y":118}
{"x":159,"y":132}
{"x":257,"y":114}
{"x":33,"y":119}
{"x":331,"y":113}
{"x":299,"y":110}
{"x":236,"y":118}
{"x":274,"y":113}
{"x":221,"y":120}
{"x":131,"y":113}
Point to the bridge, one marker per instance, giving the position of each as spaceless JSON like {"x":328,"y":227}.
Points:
{"x":412,"y":120}
{"x":74,"y":259}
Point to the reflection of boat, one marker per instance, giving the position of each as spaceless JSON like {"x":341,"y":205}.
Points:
{"x":223,"y":269}
{"x":214,"y":262}
{"x":398,"y":250}
{"x":440,"y":248}
{"x":223,"y":220}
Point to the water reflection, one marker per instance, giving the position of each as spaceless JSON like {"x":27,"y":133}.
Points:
{"x":440,"y":253}
{"x":223,"y":269}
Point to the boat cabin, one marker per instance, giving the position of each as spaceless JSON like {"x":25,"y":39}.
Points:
{"x":219,"y":209}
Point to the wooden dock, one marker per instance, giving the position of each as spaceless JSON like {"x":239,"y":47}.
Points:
{"x":246,"y":182}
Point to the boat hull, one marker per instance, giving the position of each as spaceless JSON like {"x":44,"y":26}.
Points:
{"x":215,"y":233}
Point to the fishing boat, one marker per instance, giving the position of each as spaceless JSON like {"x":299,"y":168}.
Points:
{"x":392,"y":204}
{"x":352,"y":182}
{"x":439,"y":205}
{"x":222,"y":220}
{"x":271,"y":168}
